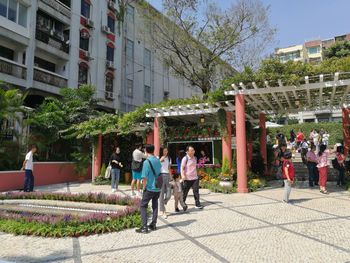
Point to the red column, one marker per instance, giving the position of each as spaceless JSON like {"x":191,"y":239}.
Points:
{"x":150,"y":138}
{"x":227,"y":141}
{"x":263,"y":150}
{"x":97,"y":157}
{"x":346,"y":126}
{"x":156,"y":137}
{"x":241,"y":145}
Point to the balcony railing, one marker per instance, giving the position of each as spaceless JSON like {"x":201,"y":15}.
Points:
{"x":52,"y":40}
{"x":58,"y":6}
{"x":50,"y":78}
{"x":12,"y":68}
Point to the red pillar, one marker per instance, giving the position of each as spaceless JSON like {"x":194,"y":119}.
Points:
{"x":241,"y":145}
{"x":227,"y":141}
{"x":156,"y":137}
{"x":346,"y":133}
{"x":263,"y":150}
{"x":97,"y":157}
{"x":150,"y":138}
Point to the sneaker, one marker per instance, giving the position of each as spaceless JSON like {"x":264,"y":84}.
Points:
{"x":114,"y":190}
{"x":152,"y":227}
{"x":185,"y":207}
{"x":199,"y":206}
{"x":177,"y":209}
{"x":164,"y":215}
{"x":142,"y":230}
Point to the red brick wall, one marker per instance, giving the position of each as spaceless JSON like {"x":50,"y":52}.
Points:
{"x":45,"y":173}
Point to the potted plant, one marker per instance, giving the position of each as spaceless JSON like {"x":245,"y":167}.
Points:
{"x":226,"y":178}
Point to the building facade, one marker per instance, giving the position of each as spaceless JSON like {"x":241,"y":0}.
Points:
{"x":310,"y":51}
{"x":49,"y":44}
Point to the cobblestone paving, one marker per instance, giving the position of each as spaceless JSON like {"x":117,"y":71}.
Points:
{"x":255,"y":227}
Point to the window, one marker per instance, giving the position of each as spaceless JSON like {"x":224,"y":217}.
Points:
{"x":84,"y":43}
{"x":130,"y":13}
{"x":147,"y":94}
{"x":313,"y":50}
{"x":130,"y":49}
{"x":7,"y":53}
{"x":110,"y":53}
{"x":111,"y":23}
{"x":85,"y":8}
{"x":130,"y":88}
{"x":147,"y":58}
{"x":44,"y":64}
{"x":83,"y":74}
{"x":9,"y":9}
{"x":109,"y":83}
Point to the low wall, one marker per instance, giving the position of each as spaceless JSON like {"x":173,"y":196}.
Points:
{"x":45,"y":173}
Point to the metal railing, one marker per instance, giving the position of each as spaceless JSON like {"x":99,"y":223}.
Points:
{"x":51,"y":40}
{"x":12,"y":68}
{"x":58,"y":6}
{"x":50,"y":78}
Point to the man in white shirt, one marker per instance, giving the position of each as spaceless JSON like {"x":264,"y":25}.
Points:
{"x":28,"y":170}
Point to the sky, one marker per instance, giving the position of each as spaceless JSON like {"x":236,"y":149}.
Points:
{"x":298,"y":21}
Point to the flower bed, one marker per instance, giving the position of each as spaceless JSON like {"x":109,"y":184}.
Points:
{"x":67,"y":225}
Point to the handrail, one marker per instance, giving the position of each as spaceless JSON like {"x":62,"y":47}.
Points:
{"x":51,"y":73}
{"x":13,"y":62}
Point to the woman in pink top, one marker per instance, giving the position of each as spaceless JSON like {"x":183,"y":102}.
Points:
{"x":322,"y":160}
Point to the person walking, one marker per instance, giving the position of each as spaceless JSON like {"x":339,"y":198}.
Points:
{"x":165,"y":193}
{"x":189,"y":176}
{"x":341,"y":168}
{"x":280,"y":156}
{"x":178,"y":194}
{"x":325,"y":138}
{"x":151,"y":191}
{"x":181,"y":154}
{"x":322,"y":165}
{"x":28,"y":170}
{"x":311,"y":158}
{"x":136,"y":166}
{"x":115,"y":171}
{"x":288,"y":175}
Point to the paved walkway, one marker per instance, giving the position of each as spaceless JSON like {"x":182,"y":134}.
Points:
{"x":254,"y":227}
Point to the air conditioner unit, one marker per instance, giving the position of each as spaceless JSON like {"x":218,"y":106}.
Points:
{"x":109,"y":95}
{"x":89,"y":23}
{"x":106,"y":29}
{"x":112,"y":5}
{"x":109,"y":64}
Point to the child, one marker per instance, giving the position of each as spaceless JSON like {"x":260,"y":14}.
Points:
{"x":288,"y":175}
{"x":178,"y":193}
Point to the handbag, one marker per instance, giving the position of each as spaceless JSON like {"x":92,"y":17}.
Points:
{"x":108,"y":171}
{"x":136,"y":166}
{"x":158,"y":179}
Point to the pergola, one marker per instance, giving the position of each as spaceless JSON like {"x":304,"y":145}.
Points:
{"x":323,"y":93}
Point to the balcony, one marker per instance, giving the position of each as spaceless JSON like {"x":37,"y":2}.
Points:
{"x":12,"y":68}
{"x":50,"y":78}
{"x":53,"y":39}
{"x":59,"y":7}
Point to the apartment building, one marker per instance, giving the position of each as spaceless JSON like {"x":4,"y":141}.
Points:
{"x":49,"y":44}
{"x":310,"y":51}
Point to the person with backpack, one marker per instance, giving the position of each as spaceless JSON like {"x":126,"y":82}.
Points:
{"x":340,"y":158}
{"x":151,"y":189}
{"x":288,"y":175}
{"x":189,"y":176}
{"x":165,"y":193}
{"x":136,"y":166}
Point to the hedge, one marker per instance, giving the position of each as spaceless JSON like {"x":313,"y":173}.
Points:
{"x":334,"y":129}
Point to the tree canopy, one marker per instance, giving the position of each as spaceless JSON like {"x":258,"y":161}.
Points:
{"x":339,"y":49}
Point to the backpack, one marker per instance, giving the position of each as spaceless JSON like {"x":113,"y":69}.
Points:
{"x":158,"y":179}
{"x":335,"y":163}
{"x":136,"y":166}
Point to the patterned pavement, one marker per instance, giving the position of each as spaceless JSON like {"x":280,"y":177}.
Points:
{"x":255,"y":227}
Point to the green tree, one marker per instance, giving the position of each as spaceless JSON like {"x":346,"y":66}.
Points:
{"x":196,"y":37}
{"x":11,"y":101}
{"x":339,"y":50}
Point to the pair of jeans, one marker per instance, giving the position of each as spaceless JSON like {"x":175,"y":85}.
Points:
{"x":165,"y":192}
{"x":194,"y":184}
{"x":340,"y":180}
{"x":287,"y":190}
{"x":115,"y":174}
{"x":313,"y":173}
{"x":28,"y":181}
{"x":146,"y":197}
